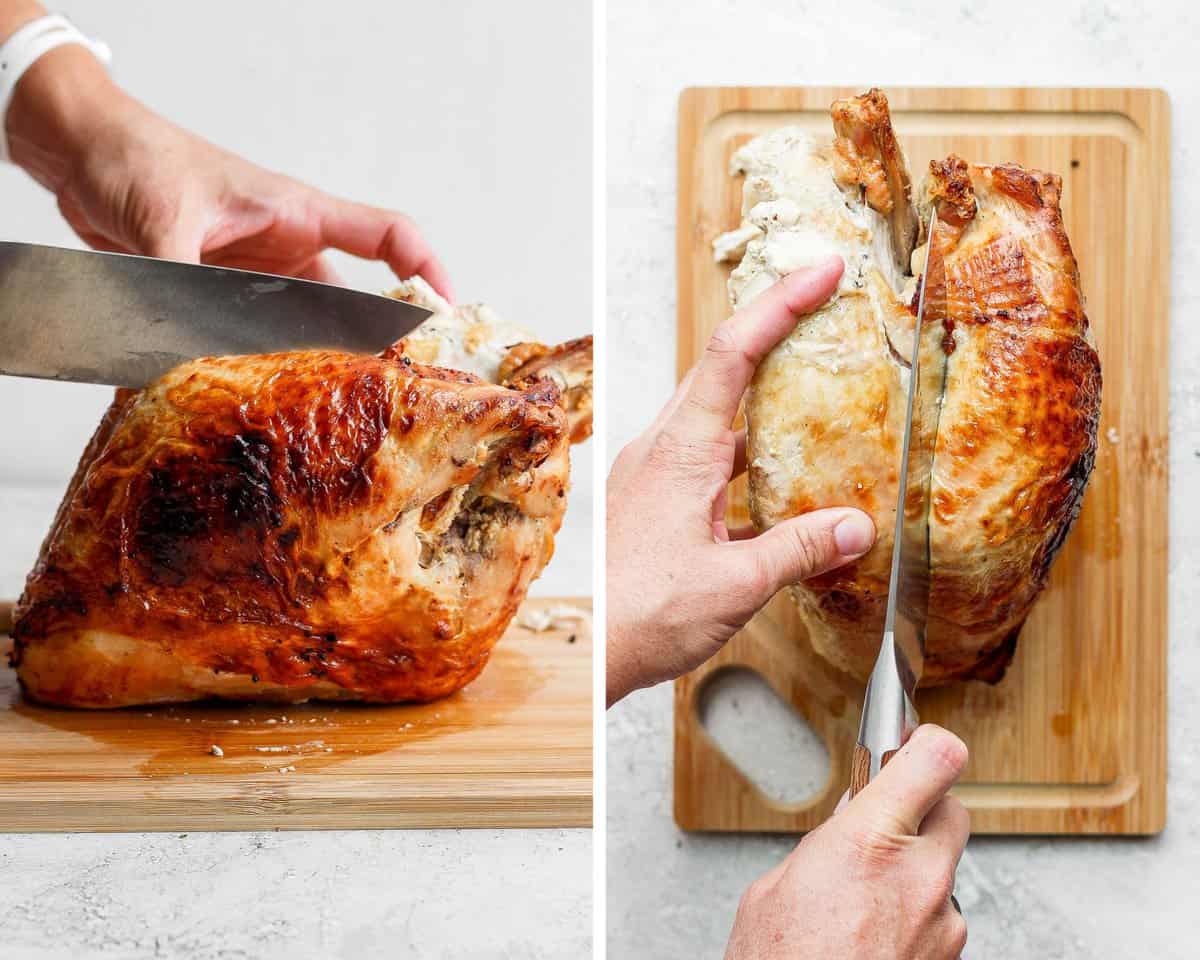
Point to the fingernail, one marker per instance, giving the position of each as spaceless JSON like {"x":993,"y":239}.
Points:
{"x":854,"y":534}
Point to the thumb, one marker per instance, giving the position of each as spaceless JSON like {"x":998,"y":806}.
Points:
{"x":804,"y":546}
{"x":912,"y":782}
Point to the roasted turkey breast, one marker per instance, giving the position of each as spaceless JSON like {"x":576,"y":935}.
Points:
{"x":1017,"y":431}
{"x":307,"y":524}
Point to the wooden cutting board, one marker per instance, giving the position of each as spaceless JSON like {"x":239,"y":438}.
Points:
{"x":1074,"y":739}
{"x":513,"y":749}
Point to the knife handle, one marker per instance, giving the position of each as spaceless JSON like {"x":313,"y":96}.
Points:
{"x":860,"y":767}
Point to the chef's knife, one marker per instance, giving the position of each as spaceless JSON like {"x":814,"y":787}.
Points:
{"x":124,"y":320}
{"x":888,"y":715}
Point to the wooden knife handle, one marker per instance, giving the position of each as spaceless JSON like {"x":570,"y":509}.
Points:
{"x":860,"y":767}
{"x":6,"y":617}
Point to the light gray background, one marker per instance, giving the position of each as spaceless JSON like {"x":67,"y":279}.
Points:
{"x":672,"y":894}
{"x":475,"y":119}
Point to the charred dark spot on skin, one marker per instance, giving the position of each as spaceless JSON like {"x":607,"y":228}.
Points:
{"x":843,"y":603}
{"x":189,"y":500}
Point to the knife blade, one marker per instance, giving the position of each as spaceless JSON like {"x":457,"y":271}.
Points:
{"x":124,"y":320}
{"x":889,"y":714}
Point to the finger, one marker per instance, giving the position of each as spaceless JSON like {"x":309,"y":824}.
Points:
{"x":672,"y":405}
{"x":175,"y":245}
{"x":954,"y":932}
{"x":376,"y":234}
{"x":804,"y":546}
{"x":83,"y":227}
{"x":100,"y":242}
{"x":739,"y":344}
{"x":322,"y":271}
{"x":739,"y":453}
{"x":720,"y":502}
{"x":949,"y":824}
{"x":912,"y":782}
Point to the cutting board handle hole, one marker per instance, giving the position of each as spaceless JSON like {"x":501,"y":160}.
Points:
{"x":764,"y":737}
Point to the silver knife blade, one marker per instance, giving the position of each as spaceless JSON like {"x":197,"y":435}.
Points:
{"x":889,"y":713}
{"x":908,"y":588}
{"x":124,"y":320}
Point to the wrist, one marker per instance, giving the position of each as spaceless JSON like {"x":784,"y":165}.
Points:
{"x":624,"y":673}
{"x":57,"y":108}
{"x":14,"y":14}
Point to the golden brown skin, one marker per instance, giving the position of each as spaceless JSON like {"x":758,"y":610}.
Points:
{"x":1016,"y":438}
{"x":291,"y":526}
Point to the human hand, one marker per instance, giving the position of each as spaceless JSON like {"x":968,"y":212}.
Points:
{"x":874,"y":881}
{"x":129,"y":181}
{"x":679,"y":583}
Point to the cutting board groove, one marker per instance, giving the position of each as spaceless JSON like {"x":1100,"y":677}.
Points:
{"x":1074,"y":738}
{"x":513,"y":749}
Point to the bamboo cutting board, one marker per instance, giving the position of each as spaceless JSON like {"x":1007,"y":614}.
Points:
{"x":1073,"y":740}
{"x":513,"y":749}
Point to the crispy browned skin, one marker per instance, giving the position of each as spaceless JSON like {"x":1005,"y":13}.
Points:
{"x":1017,"y":437}
{"x":307,"y":524}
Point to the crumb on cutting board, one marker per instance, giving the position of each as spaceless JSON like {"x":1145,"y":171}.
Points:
{"x":551,"y":618}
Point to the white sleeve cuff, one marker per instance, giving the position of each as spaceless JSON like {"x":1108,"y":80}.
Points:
{"x":25,"y":47}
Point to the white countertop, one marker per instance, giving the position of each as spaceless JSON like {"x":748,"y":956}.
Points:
{"x":278,"y":896}
{"x":673,"y":894}
{"x":447,"y":115}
